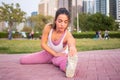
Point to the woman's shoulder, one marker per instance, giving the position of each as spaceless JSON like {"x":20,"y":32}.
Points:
{"x":48,"y":27}
{"x":68,"y":32}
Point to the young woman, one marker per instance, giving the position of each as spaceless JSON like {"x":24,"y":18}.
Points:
{"x":58,"y":45}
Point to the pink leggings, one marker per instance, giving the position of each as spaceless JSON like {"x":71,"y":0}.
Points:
{"x":44,"y":57}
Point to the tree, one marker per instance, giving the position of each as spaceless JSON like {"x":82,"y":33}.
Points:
{"x":96,"y":22}
{"x":82,"y":21}
{"x":38,"y":21}
{"x":101,"y":22}
{"x":12,"y":14}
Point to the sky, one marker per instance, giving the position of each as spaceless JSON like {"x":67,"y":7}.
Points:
{"x":27,"y":6}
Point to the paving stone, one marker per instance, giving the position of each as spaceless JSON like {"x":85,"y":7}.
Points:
{"x":92,"y":65}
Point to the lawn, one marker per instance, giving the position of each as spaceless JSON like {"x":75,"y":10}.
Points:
{"x":29,"y":46}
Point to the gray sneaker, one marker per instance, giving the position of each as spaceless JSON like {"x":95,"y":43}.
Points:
{"x":71,"y":65}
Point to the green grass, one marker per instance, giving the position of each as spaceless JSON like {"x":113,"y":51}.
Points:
{"x":19,"y":46}
{"x":29,"y":46}
{"x":92,"y":44}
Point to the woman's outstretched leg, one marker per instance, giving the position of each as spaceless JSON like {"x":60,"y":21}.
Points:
{"x":38,"y":57}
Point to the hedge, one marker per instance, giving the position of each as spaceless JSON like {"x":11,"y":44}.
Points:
{"x":115,"y":34}
{"x":92,"y":34}
{"x":17,"y":35}
{"x":3,"y":35}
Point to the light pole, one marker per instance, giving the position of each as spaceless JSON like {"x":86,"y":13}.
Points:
{"x":70,"y":10}
{"x":77,"y":17}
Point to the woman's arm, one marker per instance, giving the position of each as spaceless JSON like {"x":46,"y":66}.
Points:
{"x":71,"y":44}
{"x":44,"y":40}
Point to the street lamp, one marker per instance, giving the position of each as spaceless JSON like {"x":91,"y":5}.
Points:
{"x":77,"y":17}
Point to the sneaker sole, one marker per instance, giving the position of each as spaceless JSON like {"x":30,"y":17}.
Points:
{"x":71,"y":66}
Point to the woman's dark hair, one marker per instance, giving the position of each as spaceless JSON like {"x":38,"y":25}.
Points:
{"x":61,"y":11}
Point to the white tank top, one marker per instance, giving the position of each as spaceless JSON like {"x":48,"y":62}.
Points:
{"x":59,"y":47}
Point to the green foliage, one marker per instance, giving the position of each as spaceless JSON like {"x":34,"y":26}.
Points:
{"x":11,"y":13}
{"x":112,"y":34}
{"x":38,"y":22}
{"x":96,"y":22}
{"x":30,"y":46}
{"x":27,"y":29}
{"x":82,"y":21}
{"x":18,"y":35}
{"x":3,"y":35}
{"x":84,"y":35}
{"x":37,"y":35}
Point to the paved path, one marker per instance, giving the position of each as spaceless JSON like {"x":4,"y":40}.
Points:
{"x":92,"y":65}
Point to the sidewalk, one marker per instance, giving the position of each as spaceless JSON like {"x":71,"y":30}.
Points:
{"x":92,"y":65}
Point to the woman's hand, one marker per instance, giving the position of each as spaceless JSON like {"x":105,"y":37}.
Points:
{"x":72,"y":51}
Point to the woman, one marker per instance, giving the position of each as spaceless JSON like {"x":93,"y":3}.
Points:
{"x":58,"y":44}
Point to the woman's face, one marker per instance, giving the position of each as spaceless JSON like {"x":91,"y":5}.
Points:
{"x":61,"y":22}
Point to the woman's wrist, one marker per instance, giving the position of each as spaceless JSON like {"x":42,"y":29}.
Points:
{"x":71,"y":47}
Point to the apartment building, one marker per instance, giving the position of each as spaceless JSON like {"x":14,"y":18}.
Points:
{"x":113,"y":8}
{"x":89,"y":6}
{"x":49,"y":7}
{"x":102,"y":6}
{"x":118,"y":9}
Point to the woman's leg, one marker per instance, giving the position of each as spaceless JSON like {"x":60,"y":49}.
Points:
{"x":61,"y":62}
{"x":38,"y":57}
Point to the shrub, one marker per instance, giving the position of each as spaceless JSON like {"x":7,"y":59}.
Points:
{"x":112,"y":34}
{"x":3,"y":35}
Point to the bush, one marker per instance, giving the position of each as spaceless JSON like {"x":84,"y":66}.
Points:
{"x":112,"y":34}
{"x":18,"y":35}
{"x":92,"y":34}
{"x":84,"y":35}
{"x":95,"y":22}
{"x":3,"y":35}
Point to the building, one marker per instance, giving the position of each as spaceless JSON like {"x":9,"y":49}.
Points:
{"x":43,"y":7}
{"x":63,"y":3}
{"x":52,"y":7}
{"x":118,"y":9}
{"x":102,"y":6}
{"x":34,"y":13}
{"x":109,"y":8}
{"x":89,"y":6}
{"x":113,"y":8}
{"x":49,"y":7}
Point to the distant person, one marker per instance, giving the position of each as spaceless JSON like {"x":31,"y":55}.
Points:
{"x":58,"y":45}
{"x":100,"y":35}
{"x":97,"y":35}
{"x":32,"y":34}
{"x":29,"y":35}
{"x":9,"y":34}
{"x":106,"y":34}
{"x":23,"y":34}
